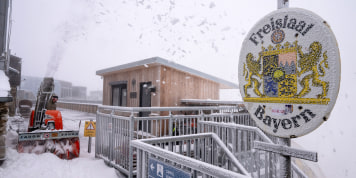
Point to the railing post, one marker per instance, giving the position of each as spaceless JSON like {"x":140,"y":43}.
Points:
{"x":200,"y":118}
{"x":111,"y":137}
{"x":97,"y":133}
{"x":131,"y":131}
{"x":170,"y":126}
{"x":139,"y":163}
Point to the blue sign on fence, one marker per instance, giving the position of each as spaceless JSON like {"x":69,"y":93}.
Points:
{"x":159,"y":169}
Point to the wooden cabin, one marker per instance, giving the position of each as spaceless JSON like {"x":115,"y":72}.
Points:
{"x":157,"y":82}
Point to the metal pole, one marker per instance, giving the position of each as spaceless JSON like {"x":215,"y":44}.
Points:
{"x":97,"y":133}
{"x":285,"y":161}
{"x":131,"y":130}
{"x":89,"y":143}
{"x":5,"y":11}
{"x":282,"y":4}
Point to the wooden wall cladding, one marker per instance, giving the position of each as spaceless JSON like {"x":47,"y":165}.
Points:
{"x":176,"y":85}
{"x":171,"y":84}
{"x":133,"y":77}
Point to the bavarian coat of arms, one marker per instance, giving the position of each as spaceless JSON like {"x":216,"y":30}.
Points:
{"x":289,"y":72}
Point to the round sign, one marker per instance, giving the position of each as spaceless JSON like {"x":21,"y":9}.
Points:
{"x":289,"y":72}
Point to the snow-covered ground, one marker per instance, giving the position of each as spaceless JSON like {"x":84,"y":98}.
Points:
{"x":47,"y":165}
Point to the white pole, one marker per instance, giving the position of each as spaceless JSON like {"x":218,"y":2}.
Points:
{"x":282,"y":4}
{"x":285,"y":161}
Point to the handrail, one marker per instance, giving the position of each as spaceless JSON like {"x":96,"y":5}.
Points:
{"x":242,"y":127}
{"x":256,"y":130}
{"x":215,"y":171}
{"x":142,"y":109}
{"x":89,"y":104}
{"x":221,"y":110}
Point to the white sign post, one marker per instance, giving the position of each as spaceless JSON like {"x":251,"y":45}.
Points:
{"x":89,"y":131}
{"x":289,"y":77}
{"x":289,"y":72}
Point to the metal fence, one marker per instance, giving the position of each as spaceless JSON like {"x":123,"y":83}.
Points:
{"x":240,"y":141}
{"x":83,"y":107}
{"x":118,"y":126}
{"x":199,"y":155}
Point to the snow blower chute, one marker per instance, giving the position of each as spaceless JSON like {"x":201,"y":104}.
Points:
{"x":45,"y":129}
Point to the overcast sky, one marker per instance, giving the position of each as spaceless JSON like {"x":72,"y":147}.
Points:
{"x":72,"y":39}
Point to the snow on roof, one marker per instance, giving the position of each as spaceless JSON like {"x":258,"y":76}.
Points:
{"x":4,"y":84}
{"x":168,"y":63}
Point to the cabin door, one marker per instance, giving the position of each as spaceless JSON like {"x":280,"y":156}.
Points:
{"x":145,"y":101}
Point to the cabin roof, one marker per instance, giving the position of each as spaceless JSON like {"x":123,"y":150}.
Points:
{"x":168,"y":63}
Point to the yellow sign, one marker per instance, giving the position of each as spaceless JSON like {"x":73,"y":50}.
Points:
{"x":89,"y":129}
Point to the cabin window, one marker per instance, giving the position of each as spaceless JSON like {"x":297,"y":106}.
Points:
{"x":119,"y":95}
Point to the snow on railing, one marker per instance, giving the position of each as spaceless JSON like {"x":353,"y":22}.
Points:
{"x":118,"y":126}
{"x":240,"y":140}
{"x":196,"y":154}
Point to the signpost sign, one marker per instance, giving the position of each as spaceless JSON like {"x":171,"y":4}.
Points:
{"x":289,"y":72}
{"x":286,"y":150}
{"x":160,"y":169}
{"x":89,"y":129}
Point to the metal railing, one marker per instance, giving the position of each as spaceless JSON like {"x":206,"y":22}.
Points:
{"x":83,"y":107}
{"x":240,"y":141}
{"x":118,"y":126}
{"x":197,"y":154}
